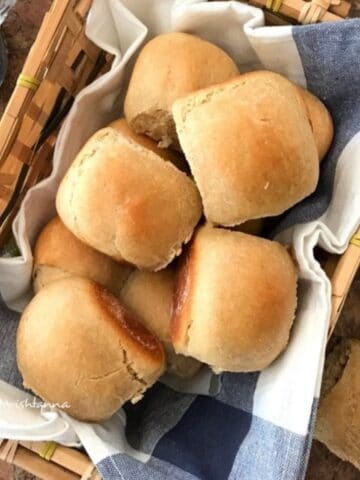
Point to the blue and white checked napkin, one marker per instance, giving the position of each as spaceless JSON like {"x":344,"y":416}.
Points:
{"x":233,"y":426}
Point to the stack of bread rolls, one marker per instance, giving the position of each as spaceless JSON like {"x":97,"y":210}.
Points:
{"x":156,"y":260}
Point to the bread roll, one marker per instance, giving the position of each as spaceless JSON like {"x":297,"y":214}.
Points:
{"x":338,"y":419}
{"x":320,"y":122}
{"x":235,"y":300}
{"x":168,"y":67}
{"x":59,"y":254}
{"x":77,"y":344}
{"x":125,"y":201}
{"x":149,"y":295}
{"x":172,"y":156}
{"x":249,"y":145}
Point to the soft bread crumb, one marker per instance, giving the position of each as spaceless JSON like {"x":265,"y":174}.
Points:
{"x":157,"y":124}
{"x":217,"y":370}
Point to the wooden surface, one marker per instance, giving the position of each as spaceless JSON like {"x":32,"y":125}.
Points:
{"x":19,"y":31}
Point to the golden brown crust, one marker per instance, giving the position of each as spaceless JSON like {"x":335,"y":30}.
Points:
{"x":126,"y":322}
{"x":181,"y":316}
{"x":168,"y":67}
{"x":235,"y":302}
{"x":249,"y":145}
{"x":59,"y":254}
{"x":75,"y":344}
{"x":320,"y":121}
{"x":146,"y":209}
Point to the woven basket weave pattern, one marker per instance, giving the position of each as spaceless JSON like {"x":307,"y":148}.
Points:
{"x":61,"y":62}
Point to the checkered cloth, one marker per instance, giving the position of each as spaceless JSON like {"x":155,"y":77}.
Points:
{"x":233,"y":426}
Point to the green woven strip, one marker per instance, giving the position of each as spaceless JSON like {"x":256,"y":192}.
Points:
{"x":10,"y":249}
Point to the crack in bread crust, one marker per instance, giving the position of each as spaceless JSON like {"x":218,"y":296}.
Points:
{"x":143,"y":385}
{"x":131,"y":370}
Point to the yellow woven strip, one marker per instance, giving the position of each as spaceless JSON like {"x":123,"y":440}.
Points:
{"x":356,"y":239}
{"x":27,"y":81}
{"x":273,"y":5}
{"x":48,"y":450}
{"x":277,"y":5}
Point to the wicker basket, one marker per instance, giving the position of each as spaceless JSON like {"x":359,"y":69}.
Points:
{"x":61,"y":62}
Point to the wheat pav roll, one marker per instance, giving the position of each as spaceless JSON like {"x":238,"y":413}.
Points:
{"x":250,"y":147}
{"x":78,"y":345}
{"x":127,"y":202}
{"x":235,"y":300}
{"x":168,"y":67}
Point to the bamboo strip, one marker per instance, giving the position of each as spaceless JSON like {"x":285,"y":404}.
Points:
{"x":43,"y":469}
{"x":28,"y":111}
{"x":74,"y":460}
{"x":292,"y":9}
{"x":341,"y":281}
